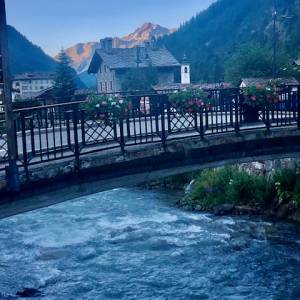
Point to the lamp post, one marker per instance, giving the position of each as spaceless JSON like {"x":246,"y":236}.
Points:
{"x":12,"y":175}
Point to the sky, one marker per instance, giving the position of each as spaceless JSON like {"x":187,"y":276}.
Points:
{"x":56,"y":24}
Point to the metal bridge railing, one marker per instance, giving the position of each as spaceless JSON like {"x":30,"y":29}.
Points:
{"x":55,"y":132}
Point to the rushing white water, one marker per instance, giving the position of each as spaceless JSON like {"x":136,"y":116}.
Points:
{"x":134,"y":244}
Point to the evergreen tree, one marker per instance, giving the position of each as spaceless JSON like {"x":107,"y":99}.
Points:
{"x":218,"y":37}
{"x":65,"y":85}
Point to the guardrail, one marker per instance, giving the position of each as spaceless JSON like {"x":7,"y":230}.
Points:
{"x":55,"y":132}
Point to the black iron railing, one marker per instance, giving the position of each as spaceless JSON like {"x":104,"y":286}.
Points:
{"x":55,"y":132}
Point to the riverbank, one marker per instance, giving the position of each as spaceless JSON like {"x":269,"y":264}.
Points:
{"x":270,"y":188}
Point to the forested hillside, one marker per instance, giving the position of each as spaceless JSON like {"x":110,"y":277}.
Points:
{"x":25,"y":56}
{"x":233,"y":38}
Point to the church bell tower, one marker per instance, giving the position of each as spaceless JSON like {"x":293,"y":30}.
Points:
{"x":185,"y":71}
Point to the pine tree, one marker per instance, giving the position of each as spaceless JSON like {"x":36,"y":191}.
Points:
{"x":65,"y":86}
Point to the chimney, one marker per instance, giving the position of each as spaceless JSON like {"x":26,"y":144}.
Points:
{"x":106,"y":44}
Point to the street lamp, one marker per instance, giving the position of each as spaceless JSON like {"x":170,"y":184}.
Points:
{"x":12,"y":176}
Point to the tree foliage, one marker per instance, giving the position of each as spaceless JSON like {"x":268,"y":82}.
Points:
{"x":25,"y":56}
{"x":65,"y":85}
{"x":221,"y":35}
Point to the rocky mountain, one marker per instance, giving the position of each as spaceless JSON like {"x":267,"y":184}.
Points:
{"x":141,"y":35}
{"x":219,"y":38}
{"x":80,"y":54}
{"x":25,"y":56}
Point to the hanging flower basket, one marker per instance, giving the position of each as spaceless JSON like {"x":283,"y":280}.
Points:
{"x":257,"y":98}
{"x":189,"y":101}
{"x":107,"y":109}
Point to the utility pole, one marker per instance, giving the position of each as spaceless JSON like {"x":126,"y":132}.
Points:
{"x":12,"y":175}
{"x":274,"y":17}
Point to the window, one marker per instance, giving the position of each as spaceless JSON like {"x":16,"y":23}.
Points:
{"x":111,"y":85}
{"x":105,"y":86}
{"x":17,"y":83}
{"x":185,"y":70}
{"x":101,"y":87}
{"x":41,"y":87}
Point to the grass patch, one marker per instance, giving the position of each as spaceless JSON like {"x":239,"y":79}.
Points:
{"x":234,"y":186}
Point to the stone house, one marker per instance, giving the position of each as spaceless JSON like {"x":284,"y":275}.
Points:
{"x":110,"y":64}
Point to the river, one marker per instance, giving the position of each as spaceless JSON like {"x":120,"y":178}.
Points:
{"x":135,"y":244}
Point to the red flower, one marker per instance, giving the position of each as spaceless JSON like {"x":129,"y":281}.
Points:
{"x":190,"y":110}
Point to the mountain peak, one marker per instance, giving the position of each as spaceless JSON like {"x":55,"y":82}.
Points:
{"x":146,"y":31}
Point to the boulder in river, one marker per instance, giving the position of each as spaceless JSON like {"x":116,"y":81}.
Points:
{"x":29,"y":293}
{"x":224,"y":209}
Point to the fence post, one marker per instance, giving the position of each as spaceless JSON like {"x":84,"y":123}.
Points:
{"x":122,"y":138}
{"x":201,"y":124}
{"x":82,"y":122}
{"x":12,"y":173}
{"x":76,"y":143}
{"x":237,"y":104}
{"x":32,"y":135}
{"x":163,"y":127}
{"x":298,"y":106}
{"x":24,"y":144}
{"x":267,"y":118}
{"x":67,"y":118}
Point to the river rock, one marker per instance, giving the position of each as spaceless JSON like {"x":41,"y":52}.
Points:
{"x":29,"y":293}
{"x":199,"y":208}
{"x":224,"y":209}
{"x":190,"y":187}
{"x":247,"y":210}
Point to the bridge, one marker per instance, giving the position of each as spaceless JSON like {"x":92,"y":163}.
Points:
{"x":63,"y":143}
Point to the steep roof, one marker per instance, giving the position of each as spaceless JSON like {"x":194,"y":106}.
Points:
{"x":128,"y":58}
{"x":264,"y":81}
{"x":34,"y":76}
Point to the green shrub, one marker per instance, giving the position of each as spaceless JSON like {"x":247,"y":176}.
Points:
{"x":246,"y":189}
{"x":229,"y":185}
{"x":210,"y":187}
{"x":296,"y":191}
{"x":285,"y":183}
